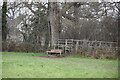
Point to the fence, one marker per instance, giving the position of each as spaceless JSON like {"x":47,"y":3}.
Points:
{"x":70,"y":44}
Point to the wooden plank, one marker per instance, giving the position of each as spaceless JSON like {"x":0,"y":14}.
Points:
{"x":56,"y":51}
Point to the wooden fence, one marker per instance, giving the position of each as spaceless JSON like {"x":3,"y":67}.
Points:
{"x":70,"y":44}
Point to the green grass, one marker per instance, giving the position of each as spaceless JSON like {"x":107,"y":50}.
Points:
{"x":0,"y":66}
{"x":22,"y":66}
{"x":23,"y":53}
{"x":75,"y":56}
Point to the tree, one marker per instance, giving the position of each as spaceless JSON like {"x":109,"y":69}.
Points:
{"x":94,"y":21}
{"x":4,"y":21}
{"x":54,"y":18}
{"x":35,"y":25}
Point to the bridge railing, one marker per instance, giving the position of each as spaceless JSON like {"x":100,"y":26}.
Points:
{"x":69,"y":44}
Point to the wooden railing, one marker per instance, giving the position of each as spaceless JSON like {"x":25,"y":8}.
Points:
{"x":69,"y":44}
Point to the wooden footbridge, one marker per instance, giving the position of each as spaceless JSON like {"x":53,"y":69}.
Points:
{"x":68,"y":45}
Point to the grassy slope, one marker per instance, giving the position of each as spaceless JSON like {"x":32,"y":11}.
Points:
{"x":21,"y":66}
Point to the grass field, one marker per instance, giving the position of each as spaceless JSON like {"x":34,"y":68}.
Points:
{"x":0,"y":66}
{"x":28,"y":66}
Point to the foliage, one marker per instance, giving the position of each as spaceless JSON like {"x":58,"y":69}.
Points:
{"x":12,"y":46}
{"x":42,"y":24}
{"x":103,"y":52}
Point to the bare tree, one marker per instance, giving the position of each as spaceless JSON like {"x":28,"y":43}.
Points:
{"x":4,"y":21}
{"x":54,"y":18}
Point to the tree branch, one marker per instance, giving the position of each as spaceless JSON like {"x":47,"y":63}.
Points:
{"x":66,"y":7}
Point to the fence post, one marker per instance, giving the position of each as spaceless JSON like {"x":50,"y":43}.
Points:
{"x":76,"y":47}
{"x":85,"y":44}
{"x":100,"y":44}
{"x":111,"y":45}
{"x":65,"y":45}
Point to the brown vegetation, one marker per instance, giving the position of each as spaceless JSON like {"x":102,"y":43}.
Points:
{"x":103,"y":52}
{"x":12,"y":46}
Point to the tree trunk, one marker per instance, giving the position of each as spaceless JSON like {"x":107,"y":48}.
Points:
{"x":54,"y":18}
{"x":46,"y":40}
{"x":76,"y":15}
{"x":76,"y":18}
{"x":4,"y":21}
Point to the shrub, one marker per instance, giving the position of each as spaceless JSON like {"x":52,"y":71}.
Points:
{"x":103,"y":52}
{"x":12,"y":46}
{"x":106,"y":53}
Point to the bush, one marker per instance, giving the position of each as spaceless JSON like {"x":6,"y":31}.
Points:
{"x":12,"y":46}
{"x":103,"y":52}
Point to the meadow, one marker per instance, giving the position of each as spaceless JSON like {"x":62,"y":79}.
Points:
{"x":31,"y":65}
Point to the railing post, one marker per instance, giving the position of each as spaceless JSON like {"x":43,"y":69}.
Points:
{"x":85,"y":44}
{"x":100,"y":44}
{"x":76,"y":47}
{"x":65,"y":45}
{"x":111,"y":45}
